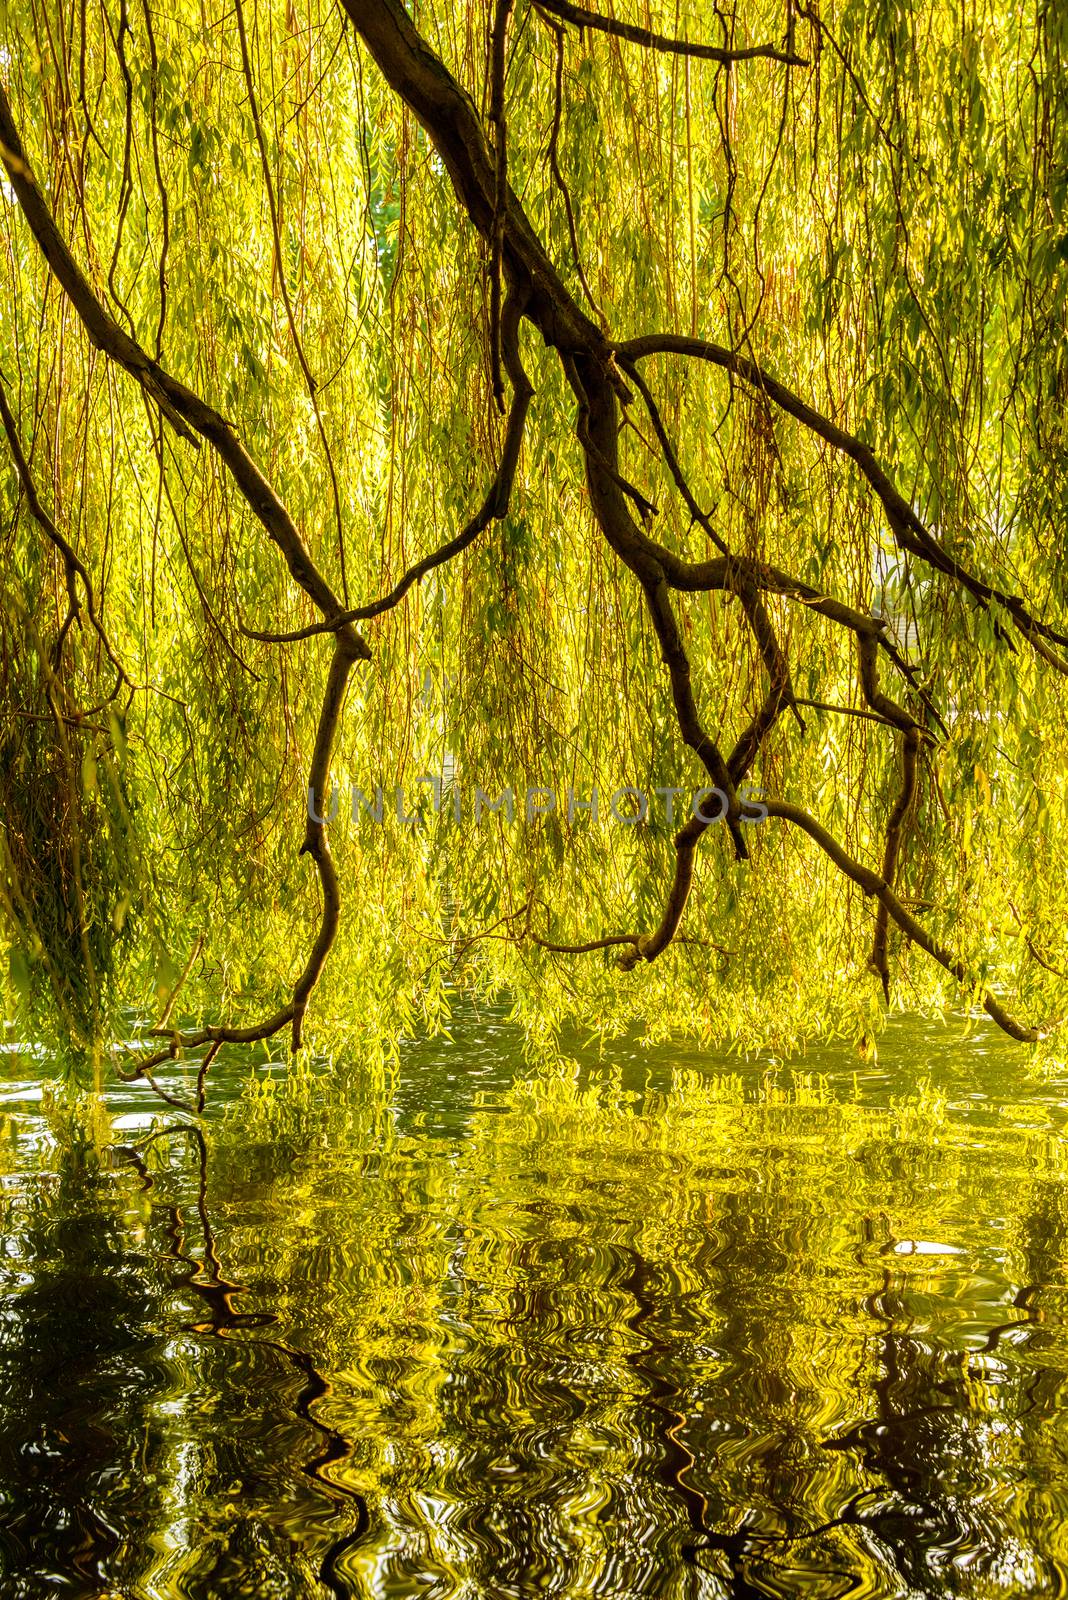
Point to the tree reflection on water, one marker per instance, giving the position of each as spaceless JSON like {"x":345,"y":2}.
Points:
{"x":653,"y":1328}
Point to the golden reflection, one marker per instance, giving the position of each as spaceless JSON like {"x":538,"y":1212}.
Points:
{"x":636,"y":1327}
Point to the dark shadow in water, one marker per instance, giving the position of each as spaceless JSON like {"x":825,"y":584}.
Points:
{"x":205,"y":1279}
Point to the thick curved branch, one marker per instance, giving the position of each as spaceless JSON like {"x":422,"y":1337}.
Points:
{"x":908,"y":528}
{"x":610,"y":942}
{"x":598,"y":430}
{"x":451,"y":118}
{"x":187,"y":412}
{"x":873,"y":884}
{"x":316,"y":843}
{"x":646,"y":947}
{"x":581,"y":18}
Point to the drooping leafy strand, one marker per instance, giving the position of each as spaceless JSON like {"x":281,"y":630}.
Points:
{"x":73,"y":566}
{"x":700,"y":516}
{"x":186,"y":411}
{"x":910,"y":738}
{"x":557,"y":171}
{"x":280,"y":268}
{"x":498,"y":70}
{"x":493,"y":508}
{"x":724,"y":574}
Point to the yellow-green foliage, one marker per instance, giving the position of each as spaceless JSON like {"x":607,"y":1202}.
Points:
{"x":884,"y":228}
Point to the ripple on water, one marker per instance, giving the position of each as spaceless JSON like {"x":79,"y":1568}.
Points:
{"x":668,"y":1327}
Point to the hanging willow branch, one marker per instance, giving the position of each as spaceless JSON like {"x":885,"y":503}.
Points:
{"x":73,"y":567}
{"x":607,"y":383}
{"x":592,"y":363}
{"x":191,"y":416}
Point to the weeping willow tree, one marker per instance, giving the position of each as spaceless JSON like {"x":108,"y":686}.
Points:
{"x":657,"y":413}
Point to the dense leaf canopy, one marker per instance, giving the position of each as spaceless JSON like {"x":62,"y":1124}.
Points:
{"x":601,"y":412}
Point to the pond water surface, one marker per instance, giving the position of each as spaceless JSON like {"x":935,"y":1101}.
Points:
{"x":667,"y":1324}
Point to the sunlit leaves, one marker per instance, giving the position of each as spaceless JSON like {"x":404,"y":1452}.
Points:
{"x":885,"y":229}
